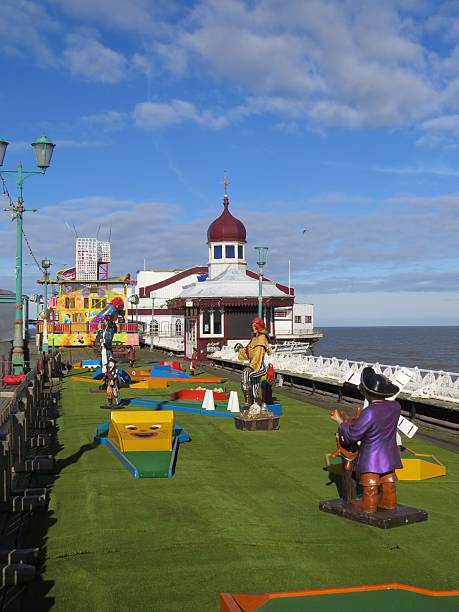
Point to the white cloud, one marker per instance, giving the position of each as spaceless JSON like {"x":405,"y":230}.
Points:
{"x":370,"y":248}
{"x":142,"y":63}
{"x":153,"y":115}
{"x":404,"y":170}
{"x":446,"y":123}
{"x":134,"y":15}
{"x":86,"y":57}
{"x":24,"y":28}
{"x":322,"y":63}
{"x":352,"y":64}
{"x":125,"y":220}
{"x":24,"y":145}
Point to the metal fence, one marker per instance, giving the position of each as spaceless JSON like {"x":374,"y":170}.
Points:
{"x":27,"y":413}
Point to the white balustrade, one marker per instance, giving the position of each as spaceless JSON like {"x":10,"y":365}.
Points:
{"x":426,"y":384}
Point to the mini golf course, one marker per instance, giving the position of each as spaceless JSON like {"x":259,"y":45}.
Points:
{"x":240,"y":515}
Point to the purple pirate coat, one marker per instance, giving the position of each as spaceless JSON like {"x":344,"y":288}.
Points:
{"x":375,"y":428}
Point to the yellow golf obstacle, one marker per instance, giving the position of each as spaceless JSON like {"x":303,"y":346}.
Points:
{"x":418,"y":466}
{"x":141,"y":430}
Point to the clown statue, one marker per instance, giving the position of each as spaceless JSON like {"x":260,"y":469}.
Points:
{"x":372,"y":435}
{"x":112,"y":382}
{"x":254,"y":353}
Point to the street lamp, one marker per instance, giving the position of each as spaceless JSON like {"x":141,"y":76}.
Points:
{"x":262,"y":256}
{"x":152,"y":320}
{"x":43,"y":152}
{"x":134,"y":301}
{"x":45,"y":264}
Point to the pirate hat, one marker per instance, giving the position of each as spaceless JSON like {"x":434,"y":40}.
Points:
{"x":377,"y":384}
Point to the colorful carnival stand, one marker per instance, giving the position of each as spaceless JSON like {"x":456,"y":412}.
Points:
{"x":146,"y":442}
{"x":377,"y":598}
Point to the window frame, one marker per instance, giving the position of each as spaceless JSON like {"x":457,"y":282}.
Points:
{"x":211,"y":333}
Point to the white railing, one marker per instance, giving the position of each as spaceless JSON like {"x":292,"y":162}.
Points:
{"x":171,"y":343}
{"x":425,"y":384}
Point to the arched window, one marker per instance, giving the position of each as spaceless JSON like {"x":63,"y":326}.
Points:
{"x":178,"y":327}
{"x":155,"y":328}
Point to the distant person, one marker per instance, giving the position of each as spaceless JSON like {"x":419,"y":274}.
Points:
{"x":131,"y":355}
{"x":375,"y":429}
{"x":194,"y":361}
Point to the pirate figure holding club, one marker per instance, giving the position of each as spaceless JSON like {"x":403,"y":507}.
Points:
{"x":112,"y":382}
{"x":368,"y":444}
{"x":254,"y":353}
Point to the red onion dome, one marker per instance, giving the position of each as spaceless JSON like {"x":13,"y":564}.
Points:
{"x":226,"y":228}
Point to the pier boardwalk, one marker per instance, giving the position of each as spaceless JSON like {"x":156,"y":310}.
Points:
{"x":240,"y":516}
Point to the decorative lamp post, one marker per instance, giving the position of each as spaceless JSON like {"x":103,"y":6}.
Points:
{"x":262,"y":256}
{"x":43,"y":152}
{"x":152,"y":324}
{"x":45,"y":264}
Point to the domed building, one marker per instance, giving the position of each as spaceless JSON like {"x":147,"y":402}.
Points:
{"x":219,"y":310}
{"x":212,"y":305}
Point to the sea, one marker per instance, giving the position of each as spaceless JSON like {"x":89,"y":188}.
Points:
{"x":430,"y":348}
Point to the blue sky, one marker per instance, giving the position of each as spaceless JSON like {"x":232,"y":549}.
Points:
{"x":337,"y":116}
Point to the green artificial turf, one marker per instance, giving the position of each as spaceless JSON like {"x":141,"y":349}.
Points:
{"x":150,"y":465}
{"x":240,"y":516}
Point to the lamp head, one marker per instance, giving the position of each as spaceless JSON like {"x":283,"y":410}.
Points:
{"x":3,"y":145}
{"x":45,"y":264}
{"x":43,"y":151}
{"x":262,"y":255}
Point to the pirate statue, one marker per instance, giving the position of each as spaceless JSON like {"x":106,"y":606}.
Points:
{"x":112,"y":382}
{"x":104,"y":338}
{"x":368,"y":442}
{"x":254,"y":353}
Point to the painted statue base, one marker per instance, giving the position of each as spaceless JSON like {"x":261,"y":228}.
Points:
{"x":257,"y":418}
{"x":384,"y":519}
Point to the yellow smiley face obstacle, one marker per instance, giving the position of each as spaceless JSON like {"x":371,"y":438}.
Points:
{"x":145,"y":441}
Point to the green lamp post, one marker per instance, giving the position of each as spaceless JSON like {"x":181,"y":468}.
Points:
{"x":45,"y":264}
{"x":134,"y":301}
{"x":262,"y":257}
{"x":43,"y":152}
{"x":152,"y":324}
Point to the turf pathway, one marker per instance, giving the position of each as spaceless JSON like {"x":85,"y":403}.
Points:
{"x":240,"y":515}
